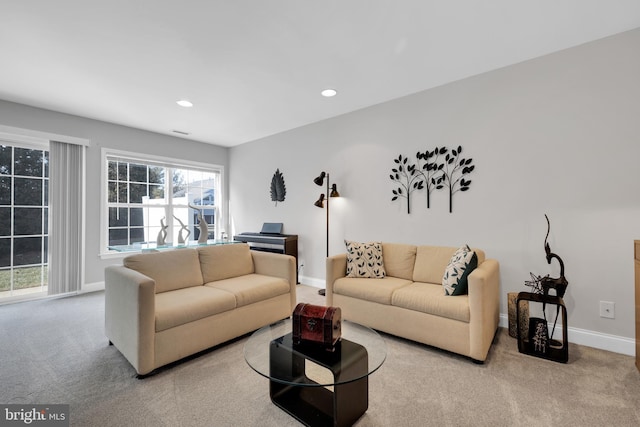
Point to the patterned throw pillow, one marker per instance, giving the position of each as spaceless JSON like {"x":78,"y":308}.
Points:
{"x":461,"y":264}
{"x":364,"y":260}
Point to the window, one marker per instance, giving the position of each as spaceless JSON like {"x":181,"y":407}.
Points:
{"x":24,"y":219}
{"x":142,"y":195}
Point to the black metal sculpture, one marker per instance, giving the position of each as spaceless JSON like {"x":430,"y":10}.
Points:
{"x":535,"y":283}
{"x":278,"y":189}
{"x":559,"y":283}
{"x":542,"y":285}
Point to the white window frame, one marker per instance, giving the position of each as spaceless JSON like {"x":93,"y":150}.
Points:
{"x":106,"y":153}
{"x":28,"y":143}
{"x":29,"y":138}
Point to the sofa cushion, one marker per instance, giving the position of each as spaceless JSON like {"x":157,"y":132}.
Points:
{"x":376,"y":290}
{"x":428,"y":298}
{"x":186,"y":305}
{"x":172,"y":269}
{"x":399,"y":260}
{"x":462,"y":263}
{"x":224,"y":261}
{"x":431,"y":261}
{"x":364,"y":260}
{"x":252,"y":288}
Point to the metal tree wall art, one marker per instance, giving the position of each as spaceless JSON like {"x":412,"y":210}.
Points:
{"x":278,"y":189}
{"x":435,"y":170}
{"x":431,"y":171}
{"x":405,"y":174}
{"x":455,"y":168}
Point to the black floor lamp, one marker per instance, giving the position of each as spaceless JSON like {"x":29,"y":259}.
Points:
{"x":319,"y":180}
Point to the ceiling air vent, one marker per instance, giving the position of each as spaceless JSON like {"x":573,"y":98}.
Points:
{"x":180,"y":132}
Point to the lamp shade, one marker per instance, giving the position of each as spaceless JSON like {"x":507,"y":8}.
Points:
{"x":334,"y":191}
{"x":319,"y":180}
{"x":320,"y":202}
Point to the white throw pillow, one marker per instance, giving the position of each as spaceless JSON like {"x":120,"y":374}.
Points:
{"x":461,"y":264}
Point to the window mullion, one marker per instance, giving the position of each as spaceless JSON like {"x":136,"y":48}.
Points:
{"x":12,"y":220}
{"x":43,"y":258}
{"x":169,"y":207}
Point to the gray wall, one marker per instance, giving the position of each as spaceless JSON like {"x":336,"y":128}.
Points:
{"x":112,"y":136}
{"x":555,"y":135}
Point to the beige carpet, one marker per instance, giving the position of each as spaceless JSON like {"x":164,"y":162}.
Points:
{"x":55,"y":351}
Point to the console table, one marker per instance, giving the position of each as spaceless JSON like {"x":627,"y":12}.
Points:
{"x":555,"y":350}
{"x":152,"y":247}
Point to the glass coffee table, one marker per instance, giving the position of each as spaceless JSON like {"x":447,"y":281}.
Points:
{"x":316,"y":386}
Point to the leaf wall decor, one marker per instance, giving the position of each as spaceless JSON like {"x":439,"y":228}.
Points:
{"x":431,"y":170}
{"x":435,"y":169}
{"x":455,"y":167}
{"x":278,"y":189}
{"x":406,"y":175}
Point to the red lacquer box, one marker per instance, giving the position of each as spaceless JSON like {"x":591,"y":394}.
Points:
{"x":316,"y":324}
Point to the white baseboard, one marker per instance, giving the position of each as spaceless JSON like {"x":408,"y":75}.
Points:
{"x":614,"y":343}
{"x":311,"y":281}
{"x":86,"y":288}
{"x":91,"y":287}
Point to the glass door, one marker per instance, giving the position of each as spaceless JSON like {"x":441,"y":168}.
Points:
{"x":24,"y":217}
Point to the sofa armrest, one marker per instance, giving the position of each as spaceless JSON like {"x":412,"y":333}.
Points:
{"x":130,"y":315}
{"x":277,"y":265}
{"x":336,"y":268}
{"x":484,"y":307}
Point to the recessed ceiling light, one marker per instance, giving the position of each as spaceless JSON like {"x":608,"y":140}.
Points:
{"x":329,"y":93}
{"x":184,"y":103}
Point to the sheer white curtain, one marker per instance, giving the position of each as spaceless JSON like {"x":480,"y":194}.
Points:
{"x":66,"y":213}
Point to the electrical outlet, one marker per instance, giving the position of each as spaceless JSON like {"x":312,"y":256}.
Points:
{"x":608,"y":309}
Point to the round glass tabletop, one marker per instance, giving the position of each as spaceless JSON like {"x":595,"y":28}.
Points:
{"x":359,"y":353}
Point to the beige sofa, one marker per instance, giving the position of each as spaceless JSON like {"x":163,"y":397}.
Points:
{"x":410,"y":302}
{"x":163,"y":306}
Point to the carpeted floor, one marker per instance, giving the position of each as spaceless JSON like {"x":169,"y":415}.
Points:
{"x":55,"y":351}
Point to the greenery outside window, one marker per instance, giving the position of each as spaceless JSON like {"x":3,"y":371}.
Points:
{"x":24,"y":219}
{"x":142,"y":194}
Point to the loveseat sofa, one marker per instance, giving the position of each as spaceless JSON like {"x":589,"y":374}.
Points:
{"x":163,"y":306}
{"x":410,"y":302}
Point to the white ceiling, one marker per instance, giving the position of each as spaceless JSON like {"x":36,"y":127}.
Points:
{"x":254,"y":68}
